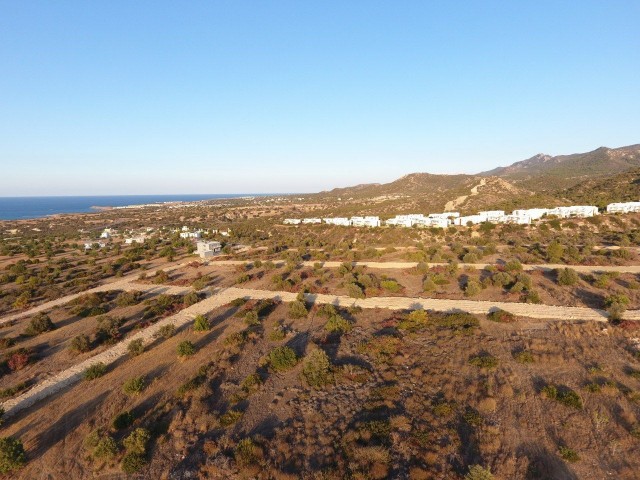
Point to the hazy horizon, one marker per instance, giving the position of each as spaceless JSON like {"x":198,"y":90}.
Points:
{"x":286,"y":97}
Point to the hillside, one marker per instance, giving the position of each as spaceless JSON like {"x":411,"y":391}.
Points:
{"x":545,"y":173}
{"x":601,"y":176}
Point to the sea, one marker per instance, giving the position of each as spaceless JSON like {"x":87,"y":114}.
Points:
{"x":16,"y":208}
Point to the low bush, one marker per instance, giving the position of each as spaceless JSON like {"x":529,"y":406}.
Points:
{"x":391,"y":286}
{"x":501,"y":316}
{"x":201,"y":324}
{"x":565,"y":396}
{"x":95,"y":371}
{"x":135,"y":347}
{"x":414,"y":321}
{"x":568,"y":454}
{"x":18,"y":359}
{"x":186,"y":349}
{"x":12,"y":456}
{"x":40,"y":323}
{"x":137,"y":441}
{"x":472,"y":288}
{"x":106,"y":448}
{"x":476,"y":472}
{"x":230,"y":417}
{"x":134,"y":386}
{"x":523,"y":357}
{"x":132,"y":462}
{"x":80,"y":344}
{"x":123,"y":420}
{"x":297,"y":309}
{"x":567,"y":276}
{"x":484,"y":361}
{"x":167,"y":331}
{"x":338,"y":324}
{"x":316,"y":369}
{"x":282,"y":358}
{"x":246,"y":452}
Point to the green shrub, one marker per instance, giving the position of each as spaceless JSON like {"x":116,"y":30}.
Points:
{"x":126,"y":299}
{"x":616,"y":305}
{"x":414,"y":321}
{"x":532,"y":297}
{"x":564,"y":396}
{"x":355,"y":291}
{"x":95,"y":371}
{"x":136,"y":441}
{"x":106,"y":448}
{"x":567,"y":276}
{"x":282,"y":358}
{"x":391,"y":286}
{"x":501,"y":316}
{"x":251,"y":318}
{"x":167,"y":331}
{"x":186,"y":349}
{"x":12,"y":456}
{"x":135,"y":347}
{"x":230,"y":417}
{"x":297,"y":309}
{"x":134,"y":386}
{"x":123,"y":420}
{"x":201,"y":324}
{"x":80,"y":344}
{"x":337,"y":323}
{"x":567,"y":454}
{"x":476,"y":472}
{"x":40,"y":323}
{"x":472,"y":288}
{"x":246,"y":452}
{"x":190,"y":298}
{"x":484,"y":361}
{"x":458,"y":322}
{"x":251,"y":383}
{"x":132,"y":462}
{"x":316,"y":369}
{"x":523,"y":357}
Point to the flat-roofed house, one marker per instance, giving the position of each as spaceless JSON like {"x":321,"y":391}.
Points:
{"x":623,"y":207}
{"x":208,"y":249}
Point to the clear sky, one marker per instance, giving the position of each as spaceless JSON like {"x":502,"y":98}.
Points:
{"x":134,"y":97}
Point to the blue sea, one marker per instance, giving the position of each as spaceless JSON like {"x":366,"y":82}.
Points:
{"x":15,"y":208}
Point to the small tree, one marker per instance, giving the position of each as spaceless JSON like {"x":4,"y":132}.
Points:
{"x":12,"y":455}
{"x":137,"y":441}
{"x":282,"y":358}
{"x":135,"y":347}
{"x":472,"y":289}
{"x":80,"y":344}
{"x":476,"y":472}
{"x":201,"y":324}
{"x":297,"y":309}
{"x":134,"y":386}
{"x":95,"y":371}
{"x":317,"y":368}
{"x":40,"y":323}
{"x":567,"y":276}
{"x":186,"y":349}
{"x":167,"y":331}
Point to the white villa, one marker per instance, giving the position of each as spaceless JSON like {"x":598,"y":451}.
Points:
{"x":532,"y":213}
{"x":196,"y":234}
{"x":580,"y":211}
{"x":625,"y":207}
{"x":90,"y":245}
{"x":474,"y":219}
{"x":365,"y":221}
{"x":311,"y":220}
{"x":445,"y":215}
{"x":341,"y":221}
{"x":292,"y":221}
{"x":139,"y":239}
{"x":208,"y":249}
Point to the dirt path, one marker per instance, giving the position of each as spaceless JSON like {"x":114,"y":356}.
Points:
{"x":221,"y":297}
{"x":453,"y":204}
{"x":479,"y":266}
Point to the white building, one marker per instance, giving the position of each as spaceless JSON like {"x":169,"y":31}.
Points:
{"x":474,"y":219}
{"x":445,"y":215}
{"x":107,"y":233}
{"x":196,"y":234}
{"x":407,"y":221}
{"x":365,"y":221}
{"x":139,"y":239}
{"x":307,"y":221}
{"x":519,"y":218}
{"x":90,"y":245}
{"x":208,"y":249}
{"x":532,"y":213}
{"x":292,"y":221}
{"x":581,"y":211}
{"x":341,"y":221}
{"x":493,"y":216}
{"x":625,"y":207}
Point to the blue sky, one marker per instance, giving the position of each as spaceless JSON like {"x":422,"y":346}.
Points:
{"x":287,"y":96}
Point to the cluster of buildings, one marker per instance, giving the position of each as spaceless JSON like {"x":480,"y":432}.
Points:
{"x":444,"y":219}
{"x":626,"y":207}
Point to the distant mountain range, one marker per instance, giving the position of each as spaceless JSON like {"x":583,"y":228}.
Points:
{"x":598,"y":177}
